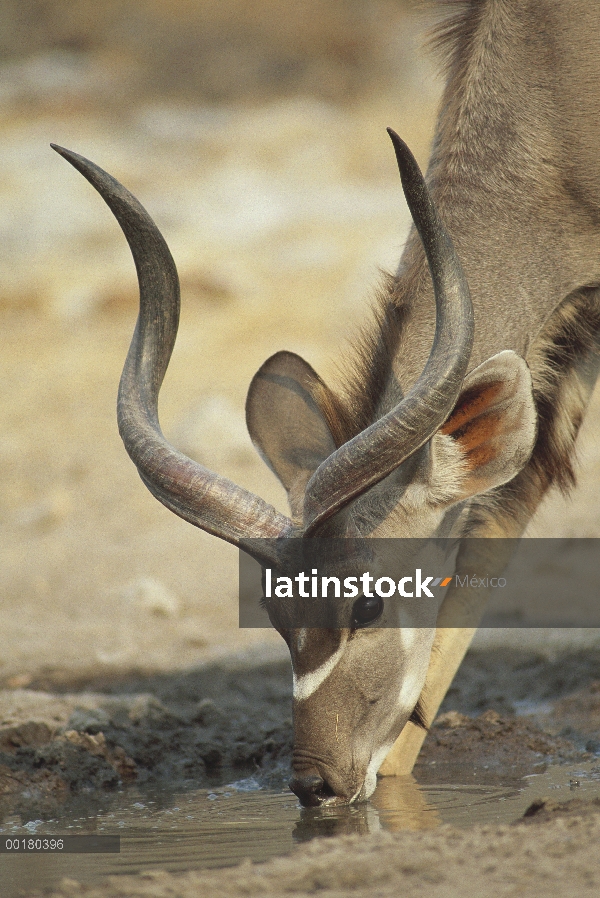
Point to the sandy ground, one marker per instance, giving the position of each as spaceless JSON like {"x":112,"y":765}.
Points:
{"x":555,"y":858}
{"x":114,"y":612}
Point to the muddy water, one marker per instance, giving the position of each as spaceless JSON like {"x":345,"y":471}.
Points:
{"x":219,"y":828}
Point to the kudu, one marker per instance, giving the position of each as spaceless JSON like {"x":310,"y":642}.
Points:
{"x":451,"y":422}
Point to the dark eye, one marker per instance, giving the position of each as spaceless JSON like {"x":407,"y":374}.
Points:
{"x":366,"y":610}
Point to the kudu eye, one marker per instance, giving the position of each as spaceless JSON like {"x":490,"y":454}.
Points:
{"x":366,"y":610}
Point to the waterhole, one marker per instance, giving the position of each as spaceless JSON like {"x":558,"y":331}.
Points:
{"x":219,"y":828}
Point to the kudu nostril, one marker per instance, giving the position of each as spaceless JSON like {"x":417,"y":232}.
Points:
{"x":310,"y":789}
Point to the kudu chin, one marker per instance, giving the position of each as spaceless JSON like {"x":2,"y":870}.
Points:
{"x":453,"y":422}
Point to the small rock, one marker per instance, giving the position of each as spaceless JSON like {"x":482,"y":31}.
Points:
{"x":123,"y":764}
{"x":540,"y":804}
{"x":88,"y":721}
{"x":152,"y":596}
{"x":544,"y":809}
{"x":95,"y":744}
{"x":451,"y":720}
{"x":26,"y":735}
{"x":19,"y":681}
{"x":70,"y":886}
{"x":38,"y":785}
{"x":491,"y":716}
{"x":146,"y":706}
{"x":46,"y":514}
{"x":206,"y":712}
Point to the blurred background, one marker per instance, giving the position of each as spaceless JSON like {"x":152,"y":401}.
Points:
{"x":254,"y":133}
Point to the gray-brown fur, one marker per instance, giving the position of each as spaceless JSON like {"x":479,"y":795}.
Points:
{"x":511,"y":181}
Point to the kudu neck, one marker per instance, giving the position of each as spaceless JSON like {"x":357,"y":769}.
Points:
{"x":503,"y":179}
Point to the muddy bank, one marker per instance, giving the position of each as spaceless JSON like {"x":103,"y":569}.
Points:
{"x":510,"y":680}
{"x":61,"y":740}
{"x":193,"y":729}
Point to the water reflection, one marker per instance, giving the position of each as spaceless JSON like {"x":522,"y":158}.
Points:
{"x":337,"y":820}
{"x":399,"y":803}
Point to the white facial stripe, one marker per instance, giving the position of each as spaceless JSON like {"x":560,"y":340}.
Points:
{"x":301,"y":639}
{"x":407,"y":699}
{"x":407,"y":637}
{"x":374,"y":764}
{"x":410,"y":691}
{"x":305,"y":686}
{"x":356,"y":794}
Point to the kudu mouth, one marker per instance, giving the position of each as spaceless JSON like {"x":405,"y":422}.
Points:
{"x":325,"y":777}
{"x":312,"y":790}
{"x":316,"y":784}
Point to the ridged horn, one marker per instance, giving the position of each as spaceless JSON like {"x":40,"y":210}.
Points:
{"x":381,"y":448}
{"x":193,"y":492}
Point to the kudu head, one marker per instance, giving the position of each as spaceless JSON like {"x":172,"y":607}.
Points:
{"x":451,"y":437}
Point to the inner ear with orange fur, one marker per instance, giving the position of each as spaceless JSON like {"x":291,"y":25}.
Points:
{"x":494,"y":422}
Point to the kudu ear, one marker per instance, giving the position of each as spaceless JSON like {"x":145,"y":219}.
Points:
{"x":286,"y":421}
{"x":494,"y":422}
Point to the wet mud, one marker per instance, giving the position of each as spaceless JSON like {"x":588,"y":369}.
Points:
{"x":193,"y":730}
{"x":203,"y":728}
